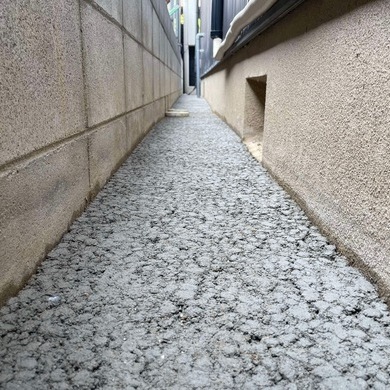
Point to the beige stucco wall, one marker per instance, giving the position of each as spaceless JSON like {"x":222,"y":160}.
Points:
{"x":81,"y":82}
{"x":327,"y":118}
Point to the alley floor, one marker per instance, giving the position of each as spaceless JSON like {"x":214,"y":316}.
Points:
{"x":192,"y":269}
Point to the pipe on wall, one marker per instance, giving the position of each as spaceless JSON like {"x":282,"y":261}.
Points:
{"x":197,"y":60}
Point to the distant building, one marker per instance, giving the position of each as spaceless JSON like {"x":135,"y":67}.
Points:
{"x":190,"y":29}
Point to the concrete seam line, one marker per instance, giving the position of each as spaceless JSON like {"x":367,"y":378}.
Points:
{"x":27,"y":158}
{"x":82,"y":47}
{"x":164,"y":27}
{"x":124,"y":70}
{"x":85,"y":95}
{"x":114,"y":21}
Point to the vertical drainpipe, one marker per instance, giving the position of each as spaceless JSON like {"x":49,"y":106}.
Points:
{"x":216,"y":19}
{"x":197,"y":60}
{"x":216,"y":31}
{"x":178,"y":22}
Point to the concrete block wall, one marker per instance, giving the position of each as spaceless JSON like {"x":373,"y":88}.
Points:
{"x":327,"y":122}
{"x":81,"y":82}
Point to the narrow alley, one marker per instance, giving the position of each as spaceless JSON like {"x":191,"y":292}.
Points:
{"x":192,"y":269}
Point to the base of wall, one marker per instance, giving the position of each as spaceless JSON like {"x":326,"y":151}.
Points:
{"x":362,"y":252}
{"x":325,"y":133}
{"x":327,"y":229}
{"x":42,"y":196}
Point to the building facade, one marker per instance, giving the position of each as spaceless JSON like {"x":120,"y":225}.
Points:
{"x":81,"y":83}
{"x":313,"y":89}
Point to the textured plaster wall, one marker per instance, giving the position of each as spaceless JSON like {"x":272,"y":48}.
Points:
{"x":81,"y":82}
{"x":327,"y":118}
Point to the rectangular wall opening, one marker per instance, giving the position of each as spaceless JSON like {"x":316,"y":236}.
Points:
{"x":255,"y":95}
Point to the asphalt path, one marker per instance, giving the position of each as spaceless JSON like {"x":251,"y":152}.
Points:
{"x":193,"y":269}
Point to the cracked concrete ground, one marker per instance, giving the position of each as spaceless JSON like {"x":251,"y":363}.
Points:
{"x":192,"y":269}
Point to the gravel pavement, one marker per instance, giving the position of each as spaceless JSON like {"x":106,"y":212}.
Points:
{"x":192,"y":269}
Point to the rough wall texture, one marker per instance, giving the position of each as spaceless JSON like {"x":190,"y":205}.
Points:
{"x":327,"y":118}
{"x":77,"y":93}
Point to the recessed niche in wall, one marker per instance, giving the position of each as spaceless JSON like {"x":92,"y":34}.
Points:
{"x":255,"y":94}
